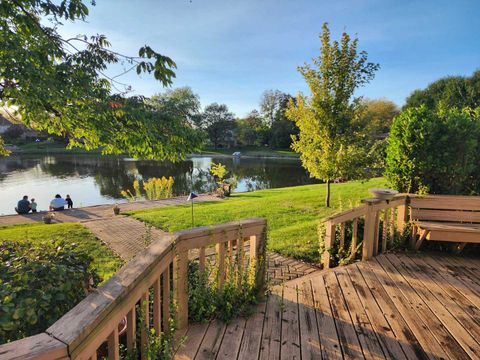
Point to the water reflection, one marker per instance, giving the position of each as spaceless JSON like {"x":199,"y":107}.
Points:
{"x":94,"y":179}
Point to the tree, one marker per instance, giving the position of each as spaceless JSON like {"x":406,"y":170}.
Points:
{"x":435,"y":151}
{"x":251,"y":130}
{"x":451,"y":91}
{"x":218,"y":122}
{"x":330,"y":142}
{"x":271,"y":103}
{"x":59,"y":85}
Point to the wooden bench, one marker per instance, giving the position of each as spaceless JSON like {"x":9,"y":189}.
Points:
{"x":445,"y":218}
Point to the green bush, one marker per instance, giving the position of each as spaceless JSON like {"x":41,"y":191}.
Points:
{"x":38,"y":284}
{"x":207,"y":301}
{"x":435,"y":151}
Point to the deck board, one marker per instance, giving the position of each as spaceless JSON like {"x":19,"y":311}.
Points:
{"x":396,"y":306}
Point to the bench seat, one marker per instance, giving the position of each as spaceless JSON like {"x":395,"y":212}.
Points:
{"x":445,"y":231}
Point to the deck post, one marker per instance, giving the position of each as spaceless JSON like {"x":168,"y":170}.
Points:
{"x":329,"y":240}
{"x":402,"y":217}
{"x":369,"y":232}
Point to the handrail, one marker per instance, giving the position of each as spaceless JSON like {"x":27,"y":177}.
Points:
{"x":162,"y":269}
{"x":391,"y":214}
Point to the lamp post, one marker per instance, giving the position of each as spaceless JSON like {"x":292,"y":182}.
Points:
{"x":190,"y":198}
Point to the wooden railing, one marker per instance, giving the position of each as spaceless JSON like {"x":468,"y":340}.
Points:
{"x":389,"y":216}
{"x":161,"y":270}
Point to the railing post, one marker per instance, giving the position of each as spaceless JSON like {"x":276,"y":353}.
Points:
{"x":258,"y":256}
{"x":329,"y":240}
{"x":180,"y":269}
{"x":402,"y":217}
{"x":369,"y":232}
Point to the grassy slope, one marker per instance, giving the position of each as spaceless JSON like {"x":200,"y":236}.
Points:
{"x":105,"y":261}
{"x":292,"y":213}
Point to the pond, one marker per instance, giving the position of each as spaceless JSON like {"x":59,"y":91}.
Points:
{"x":92,"y":180}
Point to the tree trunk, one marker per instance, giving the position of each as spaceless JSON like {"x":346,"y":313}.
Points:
{"x":327,"y":197}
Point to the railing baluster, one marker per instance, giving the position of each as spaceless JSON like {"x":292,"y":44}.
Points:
{"x":131,"y":330}
{"x":113,"y":345}
{"x":201,"y":259}
{"x":342,"y":235}
{"x":220,"y":247}
{"x":145,"y":325}
{"x":354,"y":239}
{"x":392,"y":228}
{"x":180,"y":269}
{"x":240,"y":258}
{"x":166,"y":298}
{"x":157,"y":318}
{"x":386,"y":220}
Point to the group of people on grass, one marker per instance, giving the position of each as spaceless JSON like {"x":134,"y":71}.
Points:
{"x":58,"y":203}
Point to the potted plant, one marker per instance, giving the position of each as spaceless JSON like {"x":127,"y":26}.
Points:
{"x":47,"y":218}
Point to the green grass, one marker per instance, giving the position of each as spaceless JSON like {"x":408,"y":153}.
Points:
{"x":105,"y":261}
{"x":293,"y":214}
{"x":253,"y":151}
{"x":53,"y":148}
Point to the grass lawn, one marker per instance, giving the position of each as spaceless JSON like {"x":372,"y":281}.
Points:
{"x":292,"y":213}
{"x":105,"y":261}
{"x":253,"y":151}
{"x":53,"y":148}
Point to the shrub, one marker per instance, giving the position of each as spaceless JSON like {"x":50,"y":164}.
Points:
{"x":38,"y":284}
{"x":435,"y":151}
{"x":207,"y":301}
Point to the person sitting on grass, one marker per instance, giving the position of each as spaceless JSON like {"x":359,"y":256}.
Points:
{"x":33,"y":205}
{"x":23,"y":206}
{"x":57,"y":204}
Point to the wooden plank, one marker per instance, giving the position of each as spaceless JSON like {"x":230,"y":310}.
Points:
{"x":369,"y":234}
{"x":131,"y":330}
{"x":212,"y":341}
{"x":194,"y":335}
{"x":370,"y":346}
{"x":446,"y":202}
{"x":453,"y":305}
{"x":180,"y":289}
{"x":342,"y":235}
{"x":232,"y":340}
{"x":354,"y":239}
{"x":347,"y":215}
{"x":113,"y":345}
{"x":220,"y":250}
{"x":392,"y":228}
{"x":309,"y":334}
{"x":376,"y":238}
{"x":166,"y":298}
{"x":449,"y":343}
{"x":423,"y":333}
{"x":157,"y":303}
{"x":386,"y":336}
{"x":446,"y":215}
{"x":454,"y":289}
{"x":272,"y":328}
{"x":201,"y":259}
{"x":409,"y":343}
{"x":290,"y":347}
{"x":402,"y":218}
{"x":252,"y":338}
{"x":346,"y":332}
{"x":328,"y":336}
{"x":329,"y":241}
{"x":145,"y":325}
{"x":36,"y":347}
{"x":468,"y":276}
{"x":240,"y":258}
{"x":386,"y":223}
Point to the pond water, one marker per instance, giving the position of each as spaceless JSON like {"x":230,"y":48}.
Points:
{"x":92,"y":180}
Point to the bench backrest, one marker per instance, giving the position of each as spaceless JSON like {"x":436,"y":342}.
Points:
{"x":447,"y":208}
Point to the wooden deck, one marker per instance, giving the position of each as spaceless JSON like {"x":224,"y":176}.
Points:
{"x":396,"y":306}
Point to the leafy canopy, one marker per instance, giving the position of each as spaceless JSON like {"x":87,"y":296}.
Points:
{"x":435,"y":151}
{"x":330,"y":142}
{"x":60,"y":85}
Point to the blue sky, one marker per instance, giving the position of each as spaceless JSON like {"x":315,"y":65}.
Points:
{"x":231,"y":51}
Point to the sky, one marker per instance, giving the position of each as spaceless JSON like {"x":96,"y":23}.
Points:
{"x":232,"y":51}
